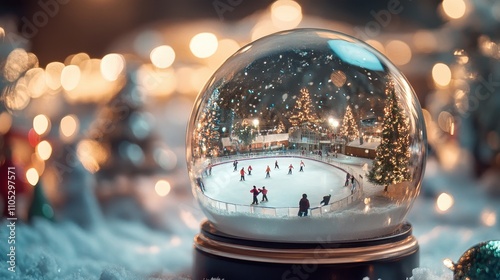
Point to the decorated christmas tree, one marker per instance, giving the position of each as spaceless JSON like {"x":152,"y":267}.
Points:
{"x":245,"y":132}
{"x":303,"y":112}
{"x":349,"y":129}
{"x":390,"y":165}
{"x":208,"y":134}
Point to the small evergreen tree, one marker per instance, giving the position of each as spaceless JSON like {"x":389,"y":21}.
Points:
{"x":303,"y":111}
{"x":390,"y":165}
{"x":349,"y":129}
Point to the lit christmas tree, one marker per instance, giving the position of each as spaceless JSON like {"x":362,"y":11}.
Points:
{"x":245,"y":132}
{"x":390,"y":165}
{"x":207,"y":132}
{"x":303,"y":112}
{"x":349,"y":129}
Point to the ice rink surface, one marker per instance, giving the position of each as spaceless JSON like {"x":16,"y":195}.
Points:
{"x":317,"y":180}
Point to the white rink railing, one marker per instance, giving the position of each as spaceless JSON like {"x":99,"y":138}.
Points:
{"x":357,"y":191}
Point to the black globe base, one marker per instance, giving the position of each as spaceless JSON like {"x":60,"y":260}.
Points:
{"x":221,"y":256}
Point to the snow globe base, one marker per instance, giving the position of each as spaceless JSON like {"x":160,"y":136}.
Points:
{"x":222,"y":256}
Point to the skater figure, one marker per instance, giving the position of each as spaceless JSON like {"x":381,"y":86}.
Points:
{"x":276,"y":165}
{"x":235,"y":165}
{"x":268,"y":170}
{"x":320,"y":153}
{"x":303,"y":206}
{"x":249,"y":170}
{"x":242,"y":173}
{"x":353,"y":188}
{"x":347,"y":177}
{"x":264,"y":194}
{"x":302,"y":164}
{"x":255,"y":193}
{"x":210,"y":165}
{"x":325,"y":200}
{"x":352,"y":180}
{"x":290,"y":169}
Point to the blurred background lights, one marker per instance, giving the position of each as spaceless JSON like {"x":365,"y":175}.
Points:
{"x":286,"y":14}
{"x":69,"y":125}
{"x":32,"y":176}
{"x":441,"y":74}
{"x":203,"y":45}
{"x":70,"y":77}
{"x":53,"y":72}
{"x":162,"y":188}
{"x":398,"y":52}
{"x":112,"y":66}
{"x":44,"y":150}
{"x":15,"y":65}
{"x":444,"y":202}
{"x":488,"y":217}
{"x":41,"y":124}
{"x":454,"y":9}
{"x":162,"y":56}
{"x":5,"y":122}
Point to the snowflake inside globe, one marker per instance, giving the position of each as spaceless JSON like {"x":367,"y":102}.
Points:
{"x":306,"y":135}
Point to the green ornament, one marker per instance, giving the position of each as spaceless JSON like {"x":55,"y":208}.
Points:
{"x":481,"y":262}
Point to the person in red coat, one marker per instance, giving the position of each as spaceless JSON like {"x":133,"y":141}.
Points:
{"x":249,"y":170}
{"x":264,"y":194}
{"x":255,"y":193}
{"x":303,"y":206}
{"x":242,"y":173}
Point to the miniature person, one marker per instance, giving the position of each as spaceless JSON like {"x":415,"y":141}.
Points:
{"x":255,"y":193}
{"x":347,"y":177}
{"x":268,"y":170}
{"x":276,"y":165}
{"x":302,"y":164}
{"x":210,"y":165}
{"x":290,"y":169}
{"x":352,"y":180}
{"x":249,"y":170}
{"x":235,"y":165}
{"x":242,"y":173}
{"x":325,"y":200}
{"x":303,"y":205}
{"x":264,"y":194}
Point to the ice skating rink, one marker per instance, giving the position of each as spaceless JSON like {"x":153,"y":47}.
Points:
{"x":317,"y":180}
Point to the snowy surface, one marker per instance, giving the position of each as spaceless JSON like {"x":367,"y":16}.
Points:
{"x":128,"y":249}
{"x":284,"y":190}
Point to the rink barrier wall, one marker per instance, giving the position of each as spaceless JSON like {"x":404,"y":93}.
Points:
{"x":285,"y":211}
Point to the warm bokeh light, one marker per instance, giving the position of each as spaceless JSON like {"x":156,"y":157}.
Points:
{"x":69,"y":125}
{"x":157,"y":82}
{"x":76,"y":59}
{"x":286,"y":14}
{"x":454,"y":9}
{"x":398,"y":52}
{"x":444,"y":202}
{"x":446,"y":122}
{"x":226,"y":48}
{"x":162,"y":188}
{"x":16,"y":64}
{"x":200,"y":77}
{"x":32,"y":176}
{"x":37,"y":85}
{"x":91,"y":154}
{"x":5,"y":122}
{"x":488,"y":218}
{"x":53,"y":72}
{"x":41,"y":124}
{"x":70,"y":77}
{"x":44,"y":150}
{"x":162,"y":56}
{"x":424,"y":41}
{"x":441,"y":74}
{"x":376,"y":44}
{"x":112,"y":66}
{"x":204,"y":44}
{"x":17,"y":98}
{"x":263,"y":28}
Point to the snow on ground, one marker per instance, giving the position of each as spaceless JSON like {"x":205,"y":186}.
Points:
{"x":317,"y":180}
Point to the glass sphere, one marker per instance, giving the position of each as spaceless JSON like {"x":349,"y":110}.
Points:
{"x":306,"y":135}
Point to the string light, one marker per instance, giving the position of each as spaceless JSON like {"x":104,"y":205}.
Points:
{"x":162,"y":56}
{"x":41,"y":124}
{"x":162,"y":188}
{"x":44,"y":150}
{"x":32,"y":176}
{"x":441,"y":74}
{"x":203,"y":45}
{"x":444,"y":202}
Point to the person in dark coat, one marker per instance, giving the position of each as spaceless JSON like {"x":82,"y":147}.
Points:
{"x":276,"y":165}
{"x":325,"y":200}
{"x":255,"y":193}
{"x":303,"y":206}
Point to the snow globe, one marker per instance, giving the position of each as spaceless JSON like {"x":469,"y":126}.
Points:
{"x":306,"y":150}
